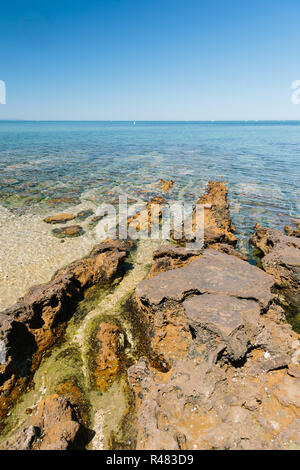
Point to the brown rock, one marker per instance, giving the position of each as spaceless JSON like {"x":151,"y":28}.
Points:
{"x":30,"y":327}
{"x":228,"y":249}
{"x":54,"y":426}
{"x":169,"y":257}
{"x":63,"y":200}
{"x":59,"y":219}
{"x":166,"y":185}
{"x":107,"y":364}
{"x":82,"y":215}
{"x":217,"y":361}
{"x":281,"y":258}
{"x":145,"y":219}
{"x":292,"y":232}
{"x":213,"y":272}
{"x":218,"y":227}
{"x":68,"y":232}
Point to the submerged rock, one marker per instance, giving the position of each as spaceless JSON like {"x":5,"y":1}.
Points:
{"x":166,"y":185}
{"x":59,"y":219}
{"x":29,"y":328}
{"x":219,"y":353}
{"x":82,"y":215}
{"x":68,"y":232}
{"x":63,"y":200}
{"x":110,"y":341}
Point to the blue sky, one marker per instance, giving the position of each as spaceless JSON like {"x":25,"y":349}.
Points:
{"x":149,"y":59}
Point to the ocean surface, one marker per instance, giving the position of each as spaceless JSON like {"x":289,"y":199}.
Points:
{"x":44,"y":164}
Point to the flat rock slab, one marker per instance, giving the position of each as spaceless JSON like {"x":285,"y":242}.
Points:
{"x":286,"y":255}
{"x":220,"y":313}
{"x":214,"y":272}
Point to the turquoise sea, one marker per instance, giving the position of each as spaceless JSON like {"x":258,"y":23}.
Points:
{"x":41,"y":162}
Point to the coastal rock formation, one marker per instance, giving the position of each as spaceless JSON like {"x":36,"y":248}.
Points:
{"x":29,"y":328}
{"x":218,"y":227}
{"x":59,"y":218}
{"x":64,"y":200}
{"x":222,"y":366}
{"x":145,"y":219}
{"x":281,"y":258}
{"x":54,"y":425}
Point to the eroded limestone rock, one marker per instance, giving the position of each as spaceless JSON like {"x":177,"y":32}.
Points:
{"x":218,"y":227}
{"x":219,"y":358}
{"x":281,"y":258}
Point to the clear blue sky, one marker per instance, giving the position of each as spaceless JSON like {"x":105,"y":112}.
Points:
{"x":149,"y":59}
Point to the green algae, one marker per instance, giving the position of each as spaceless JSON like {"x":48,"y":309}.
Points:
{"x":68,"y":368}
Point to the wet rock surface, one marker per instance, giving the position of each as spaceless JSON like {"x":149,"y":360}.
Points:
{"x":59,"y":218}
{"x":54,"y":425}
{"x":68,"y":232}
{"x":166,"y":185}
{"x":218,"y":227}
{"x":110,"y":341}
{"x":30,"y":327}
{"x":292,"y":232}
{"x":84,"y":214}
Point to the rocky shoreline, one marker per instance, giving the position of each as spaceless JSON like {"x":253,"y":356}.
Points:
{"x":217,"y":364}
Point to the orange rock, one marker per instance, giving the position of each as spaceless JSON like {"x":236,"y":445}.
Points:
{"x":166,"y":185}
{"x":68,"y":232}
{"x":30,"y":328}
{"x":53,"y":426}
{"x":59,"y":219}
{"x":107,"y":364}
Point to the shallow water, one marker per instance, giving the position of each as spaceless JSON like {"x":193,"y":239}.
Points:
{"x":52,"y":167}
{"x":86,"y":160}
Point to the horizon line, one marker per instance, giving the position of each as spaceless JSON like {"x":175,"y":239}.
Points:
{"x":149,"y":120}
